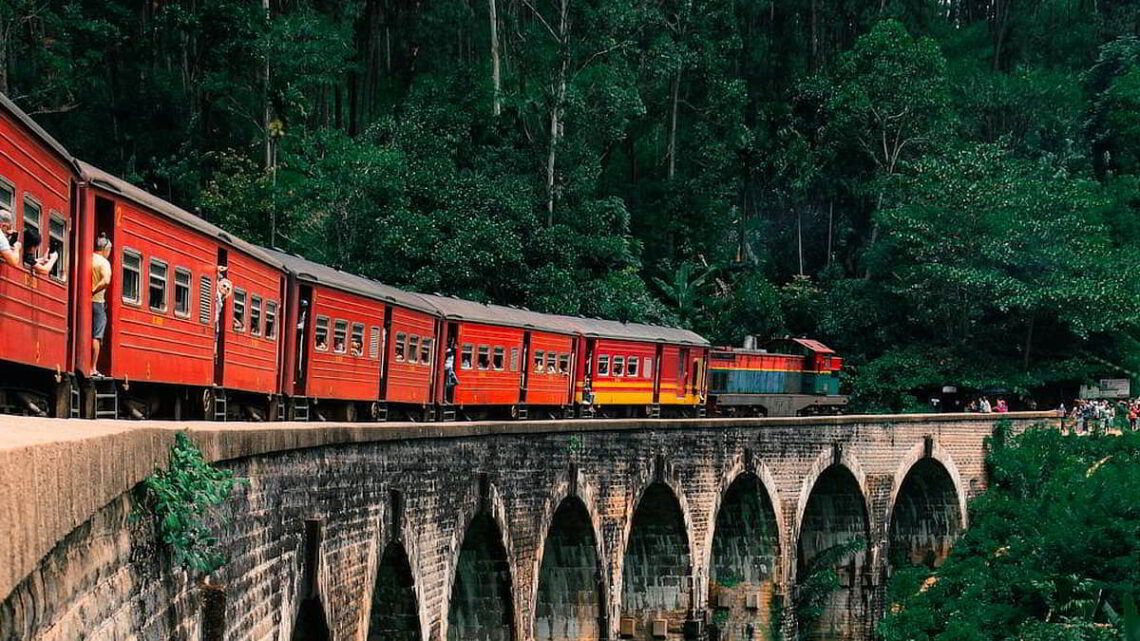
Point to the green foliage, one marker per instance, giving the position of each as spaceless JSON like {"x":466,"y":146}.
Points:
{"x":184,"y":499}
{"x":946,"y":193}
{"x":1052,"y":551}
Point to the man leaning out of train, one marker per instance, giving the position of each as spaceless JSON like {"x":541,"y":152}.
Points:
{"x":9,"y":246}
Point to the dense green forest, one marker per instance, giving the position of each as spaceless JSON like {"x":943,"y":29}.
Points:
{"x":1052,"y":552}
{"x":946,"y":191}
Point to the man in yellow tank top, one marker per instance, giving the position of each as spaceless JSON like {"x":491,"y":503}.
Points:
{"x":100,"y":280}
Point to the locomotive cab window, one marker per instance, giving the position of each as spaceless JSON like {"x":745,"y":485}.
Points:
{"x":182,"y":279}
{"x":357,"y":343}
{"x":539,"y":359}
{"x":156,"y":290}
{"x":604,"y":365}
{"x":631,"y":366}
{"x":499,"y":357}
{"x":467,"y":356}
{"x":484,"y":357}
{"x":132,"y":277}
{"x":32,"y":212}
{"x":340,"y":336}
{"x":321,"y":334}
{"x":401,"y":345}
{"x":563,"y":363}
{"x":270,"y":319}
{"x":619,"y":366}
{"x":239,"y":310}
{"x":255,"y":316}
{"x":425,"y":351}
{"x":413,"y":349}
{"x":57,"y":241}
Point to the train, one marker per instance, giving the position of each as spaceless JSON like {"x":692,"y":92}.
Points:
{"x":201,"y":324}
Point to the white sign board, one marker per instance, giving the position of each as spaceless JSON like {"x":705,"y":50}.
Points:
{"x":1108,"y":388}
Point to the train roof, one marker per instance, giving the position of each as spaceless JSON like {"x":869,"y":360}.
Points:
{"x":110,"y":182}
{"x":315,"y":272}
{"x":601,"y":328}
{"x":490,"y":314}
{"x":39,"y":131}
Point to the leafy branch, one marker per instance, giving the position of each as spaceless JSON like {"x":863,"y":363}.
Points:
{"x":183,"y":499}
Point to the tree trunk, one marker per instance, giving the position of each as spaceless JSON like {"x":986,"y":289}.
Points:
{"x":4,"y":64}
{"x":672,"y":149}
{"x":556,"y":110}
{"x":1028,"y":343}
{"x":496,"y":78}
{"x":800,"y":237}
{"x":265,"y":100}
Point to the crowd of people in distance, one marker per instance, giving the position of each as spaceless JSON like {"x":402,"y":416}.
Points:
{"x":1100,"y":415}
{"x":982,"y":405}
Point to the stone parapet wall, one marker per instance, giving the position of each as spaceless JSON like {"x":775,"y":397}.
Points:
{"x":74,"y":560}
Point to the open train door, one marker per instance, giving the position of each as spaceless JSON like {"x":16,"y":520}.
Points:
{"x":682,"y":373}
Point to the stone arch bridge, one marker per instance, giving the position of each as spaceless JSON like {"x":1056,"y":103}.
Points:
{"x":525,"y":531}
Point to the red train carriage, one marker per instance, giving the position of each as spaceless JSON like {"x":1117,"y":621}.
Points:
{"x":629,"y":369}
{"x":338,"y":355}
{"x":37,"y":178}
{"x":193,"y":321}
{"x":507,"y":360}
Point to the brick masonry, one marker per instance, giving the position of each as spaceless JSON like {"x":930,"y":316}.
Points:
{"x":460,"y":522}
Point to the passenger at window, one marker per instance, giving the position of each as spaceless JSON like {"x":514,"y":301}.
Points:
{"x":224,"y":290}
{"x":10,"y":247}
{"x":322,"y":343}
{"x":100,"y":280}
{"x":338,"y":343}
{"x":357,"y":347}
{"x":45,"y":264}
{"x":41,"y":265}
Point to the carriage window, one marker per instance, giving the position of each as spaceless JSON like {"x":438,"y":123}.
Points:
{"x":321,"y":334}
{"x":57,"y":240}
{"x":551,"y":357}
{"x":619,"y":366}
{"x":401,"y":345}
{"x":467,"y":355}
{"x":484,"y":357}
{"x":340,"y":336}
{"x":374,"y":343}
{"x":498,"y":359}
{"x":205,"y":301}
{"x":425,"y":351}
{"x":539,"y":359}
{"x":631,"y":366}
{"x":32,"y":213}
{"x":563,"y":363}
{"x":255,"y":316}
{"x":239,"y":310}
{"x":604,"y":365}
{"x":132,"y":277}
{"x":270,"y":319}
{"x":413,"y":348}
{"x":357,"y":344}
{"x":156,"y":293}
{"x":7,"y":194}
{"x":182,"y":292}
{"x":648,"y":369}
{"x":514,"y":359}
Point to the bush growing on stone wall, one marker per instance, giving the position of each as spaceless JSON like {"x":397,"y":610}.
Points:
{"x":183,"y":499}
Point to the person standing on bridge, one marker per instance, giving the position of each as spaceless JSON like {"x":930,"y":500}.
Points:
{"x":100,"y":281}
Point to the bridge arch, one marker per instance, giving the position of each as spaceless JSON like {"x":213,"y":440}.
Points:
{"x":481,"y":604}
{"x":927,"y":507}
{"x":571,"y":493}
{"x":656,"y":571}
{"x":394,"y":612}
{"x":743,"y":554}
{"x":833,"y":512}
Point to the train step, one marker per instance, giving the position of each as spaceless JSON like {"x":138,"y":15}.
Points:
{"x":106,"y":397}
{"x":221,"y":406}
{"x":301,"y":409}
{"x":447,"y":414}
{"x":76,"y":401}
